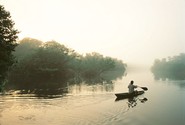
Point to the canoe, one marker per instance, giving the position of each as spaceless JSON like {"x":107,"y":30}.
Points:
{"x":128,"y":95}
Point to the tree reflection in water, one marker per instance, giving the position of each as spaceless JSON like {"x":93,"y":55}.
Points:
{"x":76,"y":84}
{"x":91,"y":87}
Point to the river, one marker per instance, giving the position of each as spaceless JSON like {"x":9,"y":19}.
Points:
{"x":163,"y":104}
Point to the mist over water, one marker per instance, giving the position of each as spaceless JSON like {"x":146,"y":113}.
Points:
{"x":96,"y":105}
{"x":45,"y":90}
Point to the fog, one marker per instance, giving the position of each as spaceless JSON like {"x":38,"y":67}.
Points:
{"x":136,"y":31}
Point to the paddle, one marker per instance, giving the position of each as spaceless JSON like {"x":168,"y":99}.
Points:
{"x":144,"y":88}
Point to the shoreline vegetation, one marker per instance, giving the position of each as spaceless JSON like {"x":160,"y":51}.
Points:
{"x":172,"y":68}
{"x":31,"y":65}
{"x":51,"y":65}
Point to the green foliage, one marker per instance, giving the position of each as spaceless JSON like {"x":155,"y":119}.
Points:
{"x":51,"y":65}
{"x":8,"y":36}
{"x":117,"y":72}
{"x":94,"y":64}
{"x":27,"y":47}
{"x":47,"y":67}
{"x":173,"y":68}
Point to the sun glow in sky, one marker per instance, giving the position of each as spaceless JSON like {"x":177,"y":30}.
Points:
{"x":136,"y":31}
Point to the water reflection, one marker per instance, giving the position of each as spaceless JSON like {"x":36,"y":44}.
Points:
{"x":75,"y":85}
{"x":179,"y":83}
{"x":164,"y":77}
{"x":85,"y":89}
{"x":96,"y":106}
{"x":132,"y":102}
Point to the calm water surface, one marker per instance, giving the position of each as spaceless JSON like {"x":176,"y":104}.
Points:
{"x":96,"y":105}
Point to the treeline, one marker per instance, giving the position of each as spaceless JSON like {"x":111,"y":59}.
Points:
{"x":50,"y":65}
{"x":33,"y":64}
{"x":170,"y":68}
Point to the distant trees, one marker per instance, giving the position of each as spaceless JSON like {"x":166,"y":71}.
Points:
{"x":94,"y":64}
{"x":8,"y":36}
{"x":171,"y":68}
{"x":96,"y":67}
{"x":50,"y":65}
{"x":42,"y":65}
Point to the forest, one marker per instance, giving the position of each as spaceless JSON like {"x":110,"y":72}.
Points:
{"x":170,"y":68}
{"x":30,"y":65}
{"x":51,"y":65}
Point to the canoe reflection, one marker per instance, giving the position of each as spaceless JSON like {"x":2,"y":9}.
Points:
{"x":132,"y":102}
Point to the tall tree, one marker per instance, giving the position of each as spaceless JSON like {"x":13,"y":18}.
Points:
{"x":8,"y":37}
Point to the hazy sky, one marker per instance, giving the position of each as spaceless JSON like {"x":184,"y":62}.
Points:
{"x":136,"y":31}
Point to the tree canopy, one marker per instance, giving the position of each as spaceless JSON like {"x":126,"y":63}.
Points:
{"x":49,"y":65}
{"x":170,"y":68}
{"x":46,"y":65}
{"x":8,"y":37}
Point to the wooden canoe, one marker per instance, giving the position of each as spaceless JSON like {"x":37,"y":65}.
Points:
{"x":128,"y":95}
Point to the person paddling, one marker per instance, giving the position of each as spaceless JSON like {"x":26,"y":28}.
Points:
{"x":131,"y":87}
